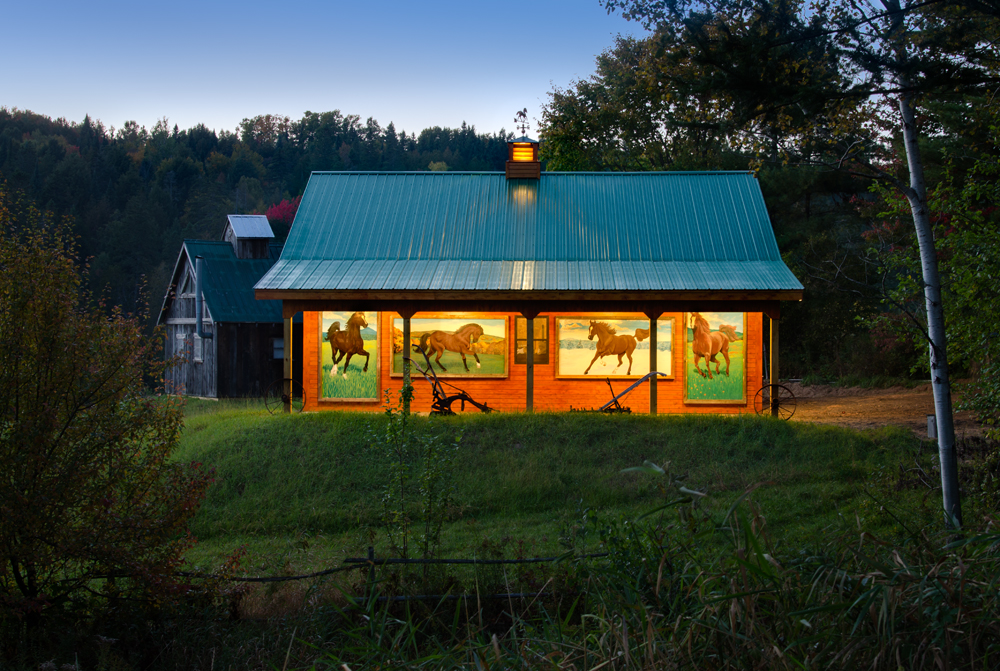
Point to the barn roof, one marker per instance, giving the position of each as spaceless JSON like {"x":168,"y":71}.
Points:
{"x":249,"y":226}
{"x":228,"y":282}
{"x":446,"y":231}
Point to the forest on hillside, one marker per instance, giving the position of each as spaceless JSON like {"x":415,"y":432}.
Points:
{"x":135,"y":193}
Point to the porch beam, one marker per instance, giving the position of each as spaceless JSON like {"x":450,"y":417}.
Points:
{"x":774,"y":364}
{"x":407,"y":395}
{"x":628,"y":303}
{"x":286,"y":385}
{"x":653,"y":406}
{"x":529,"y":369}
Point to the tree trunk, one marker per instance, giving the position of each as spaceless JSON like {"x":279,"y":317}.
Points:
{"x":940,"y":383}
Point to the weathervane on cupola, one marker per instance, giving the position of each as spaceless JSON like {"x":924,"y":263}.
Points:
{"x":522,"y":153}
{"x":521,"y":121}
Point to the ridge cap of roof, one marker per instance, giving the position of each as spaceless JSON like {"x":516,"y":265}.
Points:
{"x":551,"y":173}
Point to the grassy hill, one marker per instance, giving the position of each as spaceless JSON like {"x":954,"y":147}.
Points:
{"x":519,"y":478}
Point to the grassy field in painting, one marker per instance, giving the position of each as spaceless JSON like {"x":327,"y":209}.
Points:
{"x":720,"y":387}
{"x":357,"y":384}
{"x":492,"y":364}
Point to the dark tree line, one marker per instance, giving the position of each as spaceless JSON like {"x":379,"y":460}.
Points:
{"x":134,"y":193}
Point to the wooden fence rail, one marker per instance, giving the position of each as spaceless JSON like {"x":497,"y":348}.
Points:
{"x":371,"y":561}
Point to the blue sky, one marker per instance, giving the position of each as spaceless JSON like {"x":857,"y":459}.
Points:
{"x":417,"y":64}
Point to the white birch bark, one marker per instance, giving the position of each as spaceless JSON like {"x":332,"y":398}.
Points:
{"x":916,"y":194}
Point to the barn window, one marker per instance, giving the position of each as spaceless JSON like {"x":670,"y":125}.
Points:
{"x":199,"y":349}
{"x":541,"y":340}
{"x":188,"y":286}
{"x":278,"y":348}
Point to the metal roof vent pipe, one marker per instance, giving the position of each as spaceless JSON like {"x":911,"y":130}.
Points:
{"x":198,"y":297}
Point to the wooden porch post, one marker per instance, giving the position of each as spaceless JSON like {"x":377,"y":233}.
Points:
{"x":653,"y":316}
{"x":529,"y":392}
{"x":529,"y":369}
{"x":406,"y":364}
{"x":774,"y":364}
{"x":286,"y":387}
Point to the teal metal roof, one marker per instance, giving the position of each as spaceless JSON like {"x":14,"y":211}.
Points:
{"x":566,"y":231}
{"x":228,"y":282}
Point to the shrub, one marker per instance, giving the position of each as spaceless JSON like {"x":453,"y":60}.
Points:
{"x":89,"y":500}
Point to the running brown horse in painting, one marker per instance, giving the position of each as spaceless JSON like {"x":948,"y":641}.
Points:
{"x":347,"y":343}
{"x":708,"y":344}
{"x":611,"y":344}
{"x":460,"y":341}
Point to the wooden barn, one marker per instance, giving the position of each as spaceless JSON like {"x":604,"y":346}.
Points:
{"x":239,"y":348}
{"x":601,"y":277}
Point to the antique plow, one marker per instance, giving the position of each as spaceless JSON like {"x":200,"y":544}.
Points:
{"x":614,"y":406}
{"x":442,"y":399}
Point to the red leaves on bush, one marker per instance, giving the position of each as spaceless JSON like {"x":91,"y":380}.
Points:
{"x":283,"y":212}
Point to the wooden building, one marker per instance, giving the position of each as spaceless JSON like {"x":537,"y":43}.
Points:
{"x":243,"y":348}
{"x":674,"y":272}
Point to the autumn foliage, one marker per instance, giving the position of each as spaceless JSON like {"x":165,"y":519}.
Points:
{"x":90,"y":502}
{"x":283,"y":212}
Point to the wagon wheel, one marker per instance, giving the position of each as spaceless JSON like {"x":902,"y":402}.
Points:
{"x":780,"y":393}
{"x":274,"y":397}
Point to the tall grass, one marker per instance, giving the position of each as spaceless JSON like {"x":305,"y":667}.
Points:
{"x":522,"y":476}
{"x":667,"y":599}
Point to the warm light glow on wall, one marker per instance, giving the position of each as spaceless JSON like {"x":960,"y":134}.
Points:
{"x":523,"y":152}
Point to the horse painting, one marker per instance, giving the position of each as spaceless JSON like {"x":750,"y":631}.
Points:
{"x":708,"y":344}
{"x":460,"y":341}
{"x":347,"y":343}
{"x":611,"y":344}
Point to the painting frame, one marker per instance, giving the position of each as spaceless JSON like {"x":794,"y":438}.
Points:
{"x":690,"y":378}
{"x":372,"y":378}
{"x":561,"y":356}
{"x":456,"y":319}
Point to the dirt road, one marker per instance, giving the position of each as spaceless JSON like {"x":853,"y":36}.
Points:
{"x":870,"y":408}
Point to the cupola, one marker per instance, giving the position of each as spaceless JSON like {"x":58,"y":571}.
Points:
{"x":522,"y":153}
{"x":249,"y":234}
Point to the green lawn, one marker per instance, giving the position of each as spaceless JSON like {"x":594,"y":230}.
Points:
{"x":303,"y":491}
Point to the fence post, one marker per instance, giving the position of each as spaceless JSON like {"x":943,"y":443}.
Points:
{"x":371,"y":569}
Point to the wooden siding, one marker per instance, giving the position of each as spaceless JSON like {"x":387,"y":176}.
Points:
{"x":187,"y":376}
{"x":251,"y":248}
{"x":550,"y":393}
{"x":237,"y":362}
{"x":246,"y":359}
{"x":523,"y":170}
